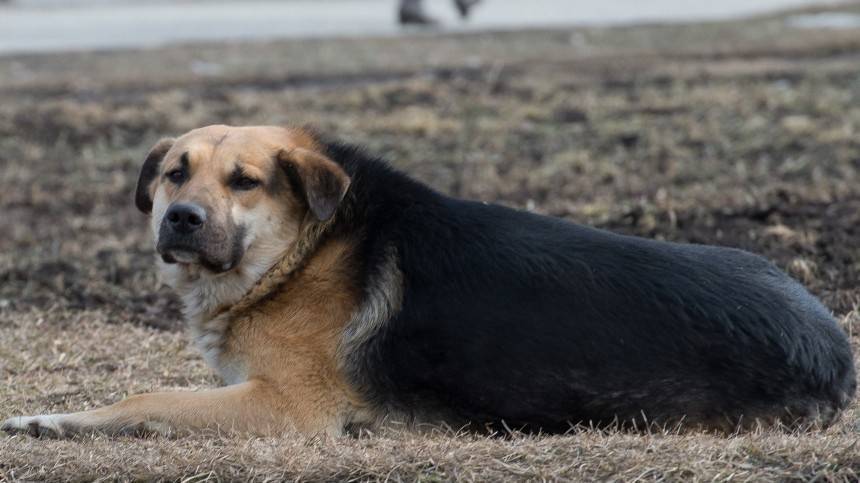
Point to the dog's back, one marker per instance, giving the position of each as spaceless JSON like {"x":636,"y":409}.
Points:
{"x":540,"y":322}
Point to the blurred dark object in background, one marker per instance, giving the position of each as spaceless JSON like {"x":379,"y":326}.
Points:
{"x":412,"y":11}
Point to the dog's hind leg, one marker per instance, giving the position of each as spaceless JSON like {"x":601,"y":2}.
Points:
{"x":252,"y":407}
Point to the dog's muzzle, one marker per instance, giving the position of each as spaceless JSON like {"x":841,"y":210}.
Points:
{"x":186,"y":236}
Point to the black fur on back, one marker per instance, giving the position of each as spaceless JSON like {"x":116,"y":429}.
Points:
{"x":540,"y":323}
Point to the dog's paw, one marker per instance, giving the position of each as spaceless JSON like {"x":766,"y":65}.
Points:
{"x":43,"y":426}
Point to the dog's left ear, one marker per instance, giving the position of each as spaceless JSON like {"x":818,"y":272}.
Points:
{"x":142,"y":196}
{"x":321,"y":181}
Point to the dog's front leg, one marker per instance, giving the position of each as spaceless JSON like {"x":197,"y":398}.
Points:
{"x":253,"y":407}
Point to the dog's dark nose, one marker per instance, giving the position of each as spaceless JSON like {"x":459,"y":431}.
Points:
{"x":185,"y":217}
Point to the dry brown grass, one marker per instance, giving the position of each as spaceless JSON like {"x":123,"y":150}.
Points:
{"x":666,"y":132}
{"x":57,"y":361}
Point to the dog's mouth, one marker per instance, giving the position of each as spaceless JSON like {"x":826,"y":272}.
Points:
{"x":214,"y":249}
{"x":187,"y":257}
{"x":182,"y":257}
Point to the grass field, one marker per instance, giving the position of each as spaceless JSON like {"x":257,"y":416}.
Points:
{"x":744,"y":134}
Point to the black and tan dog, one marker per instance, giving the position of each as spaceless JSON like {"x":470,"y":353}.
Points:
{"x":329,"y":290}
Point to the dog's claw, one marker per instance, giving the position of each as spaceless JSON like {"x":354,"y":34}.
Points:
{"x":35,"y":426}
{"x":7,"y":427}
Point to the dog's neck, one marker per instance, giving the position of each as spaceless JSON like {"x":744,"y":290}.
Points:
{"x":207,"y":296}
{"x":212,"y":302}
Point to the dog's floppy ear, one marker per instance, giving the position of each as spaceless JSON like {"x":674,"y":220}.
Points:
{"x":320,"y":180}
{"x":142,"y":197}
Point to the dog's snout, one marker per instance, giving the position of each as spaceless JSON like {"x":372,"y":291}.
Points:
{"x":185,"y":217}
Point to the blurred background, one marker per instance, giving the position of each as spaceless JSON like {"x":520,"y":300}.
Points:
{"x":727,"y":122}
{"x":38,"y":25}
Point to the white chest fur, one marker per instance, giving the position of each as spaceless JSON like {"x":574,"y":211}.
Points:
{"x":203,"y":294}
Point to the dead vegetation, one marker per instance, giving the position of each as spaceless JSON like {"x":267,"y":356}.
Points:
{"x":666,"y":132}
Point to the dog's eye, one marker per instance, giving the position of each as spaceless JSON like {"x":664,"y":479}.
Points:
{"x":244,"y":183}
{"x":176,"y":176}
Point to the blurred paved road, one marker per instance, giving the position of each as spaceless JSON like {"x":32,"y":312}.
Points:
{"x":47,"y":25}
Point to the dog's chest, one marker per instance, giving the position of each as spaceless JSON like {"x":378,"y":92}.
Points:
{"x":209,"y":334}
{"x":204,"y":294}
{"x":210,"y":338}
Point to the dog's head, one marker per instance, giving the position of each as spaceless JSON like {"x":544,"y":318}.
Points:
{"x":223,"y":197}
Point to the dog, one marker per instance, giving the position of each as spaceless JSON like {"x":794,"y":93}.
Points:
{"x":330,"y":291}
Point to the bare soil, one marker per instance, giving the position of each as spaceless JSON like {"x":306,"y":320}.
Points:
{"x":743,"y":134}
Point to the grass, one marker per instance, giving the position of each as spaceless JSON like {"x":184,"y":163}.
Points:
{"x":742,"y":134}
{"x":56,"y":360}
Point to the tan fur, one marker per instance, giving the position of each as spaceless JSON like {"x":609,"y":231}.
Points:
{"x":272,"y":326}
{"x":292,"y":339}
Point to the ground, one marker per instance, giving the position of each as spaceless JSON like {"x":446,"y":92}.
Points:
{"x":744,"y":134}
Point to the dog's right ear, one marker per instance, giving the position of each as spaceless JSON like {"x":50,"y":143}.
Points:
{"x":143,"y":196}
